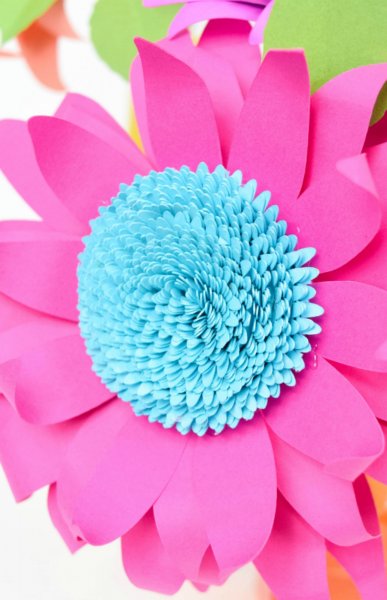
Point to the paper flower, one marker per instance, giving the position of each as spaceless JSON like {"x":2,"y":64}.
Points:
{"x":195,"y":11}
{"x":37,"y":33}
{"x":170,"y":264}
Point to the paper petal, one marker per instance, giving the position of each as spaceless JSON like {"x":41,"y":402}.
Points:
{"x":71,"y":540}
{"x":378,"y":470}
{"x":234,"y":477}
{"x":309,"y":415}
{"x":210,"y":574}
{"x":333,"y":107}
{"x":327,"y":503}
{"x":335,"y":35}
{"x":15,"y":19}
{"x":293,"y":562}
{"x":56,"y":382}
{"x":86,"y":450}
{"x":377,"y":160}
{"x":146,"y":561}
{"x":372,"y":386}
{"x":39,"y":48}
{"x":89,"y":115}
{"x":31,"y":455}
{"x":257,"y":33}
{"x":326,"y":212}
{"x":221,"y":83}
{"x":194,"y":12}
{"x":18,"y":162}
{"x":83,"y":171}
{"x":27,"y":336}
{"x":229,"y":39}
{"x":121,"y":21}
{"x":364,"y":562}
{"x":271,"y":141}
{"x":361,"y":310}
{"x":55,"y":20}
{"x":120,"y":491}
{"x":179,"y":521}
{"x":179,"y":110}
{"x":49,"y":274}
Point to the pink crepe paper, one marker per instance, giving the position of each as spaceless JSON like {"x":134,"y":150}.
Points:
{"x":280,"y":488}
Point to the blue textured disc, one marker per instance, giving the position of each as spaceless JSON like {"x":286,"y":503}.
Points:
{"x":195,"y":305}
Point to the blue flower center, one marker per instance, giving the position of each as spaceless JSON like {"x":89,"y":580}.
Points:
{"x":195,"y":304}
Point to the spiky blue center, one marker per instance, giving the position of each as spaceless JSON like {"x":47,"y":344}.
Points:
{"x":194,"y":303}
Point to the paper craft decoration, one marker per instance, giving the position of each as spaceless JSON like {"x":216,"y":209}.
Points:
{"x":115,"y":23}
{"x":37,"y":26}
{"x":194,"y":11}
{"x":336,"y":36}
{"x":194,"y":254}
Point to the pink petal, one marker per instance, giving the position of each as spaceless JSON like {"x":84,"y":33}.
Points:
{"x":365,"y":564}
{"x":372,"y":386}
{"x":340,"y":116}
{"x":206,"y":10}
{"x":181,"y":117}
{"x":55,"y":382}
{"x":210,"y":574}
{"x":271,"y":140}
{"x":137,"y":87}
{"x":24,"y":337}
{"x":86,"y":450}
{"x":13,"y":313}
{"x":377,"y":134}
{"x":377,"y":160}
{"x":357,"y":169}
{"x":220,"y":81}
{"x":293,"y":562}
{"x":378,"y":470}
{"x":47,"y":278}
{"x":18,"y":162}
{"x":256,"y":36}
{"x":146,"y":562}
{"x":71,"y":540}
{"x":83,"y":171}
{"x":31,"y":455}
{"x":309,"y":416}
{"x":354,"y":325}
{"x":337,"y":218}
{"x":235,"y":482}
{"x":370,"y":266}
{"x":127,"y":479}
{"x":327,"y":503}
{"x":229,"y":39}
{"x":89,"y":115}
{"x":178,"y":519}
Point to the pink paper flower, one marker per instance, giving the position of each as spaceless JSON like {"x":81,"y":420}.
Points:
{"x":288,"y":484}
{"x":194,"y":11}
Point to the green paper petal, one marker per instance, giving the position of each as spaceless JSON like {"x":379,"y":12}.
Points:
{"x":115,"y":23}
{"x":17,"y":15}
{"x":337,"y":35}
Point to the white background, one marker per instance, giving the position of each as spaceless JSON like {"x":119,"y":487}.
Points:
{"x":34,"y":562}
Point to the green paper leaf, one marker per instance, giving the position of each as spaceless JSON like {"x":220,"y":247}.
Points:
{"x":115,"y":23}
{"x":337,"y":35}
{"x":17,"y":15}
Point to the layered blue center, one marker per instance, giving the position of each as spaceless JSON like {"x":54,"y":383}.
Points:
{"x":195,"y":304}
